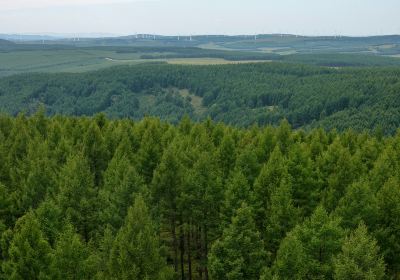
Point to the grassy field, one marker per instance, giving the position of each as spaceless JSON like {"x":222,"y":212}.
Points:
{"x":78,"y":60}
{"x":206,"y":61}
{"x":331,"y":52}
{"x":82,"y":60}
{"x":196,"y":101}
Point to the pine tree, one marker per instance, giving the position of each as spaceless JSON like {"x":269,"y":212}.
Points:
{"x":388,"y":224}
{"x":306,"y":186}
{"x":121,"y":182}
{"x":205,"y":181}
{"x":247,"y":163}
{"x":136,"y":251}
{"x":239,"y":253}
{"x":29,"y":253}
{"x":100,"y":255}
{"x":316,"y":242}
{"x":237,"y":191}
{"x":51,"y":219}
{"x":292,"y":261}
{"x":150,"y":151}
{"x":39,"y":176}
{"x":357,"y":205}
{"x":284,"y":136}
{"x":70,"y":256}
{"x":95,"y":151}
{"x":338,"y":171}
{"x":269,"y":179}
{"x":385,"y":167}
{"x":5,"y":206}
{"x":77,"y":195}
{"x":226,"y":155}
{"x":359,"y":258}
{"x":282,"y":216}
{"x":165,"y":189}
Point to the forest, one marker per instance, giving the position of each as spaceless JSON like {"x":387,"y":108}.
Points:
{"x":360,"y":98}
{"x":99,"y":198}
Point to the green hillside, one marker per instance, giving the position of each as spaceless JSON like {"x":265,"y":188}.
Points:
{"x":243,"y":95}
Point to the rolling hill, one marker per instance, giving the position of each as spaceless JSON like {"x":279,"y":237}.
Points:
{"x":244,"y":94}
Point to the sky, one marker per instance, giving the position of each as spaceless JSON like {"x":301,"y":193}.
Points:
{"x":185,"y":17}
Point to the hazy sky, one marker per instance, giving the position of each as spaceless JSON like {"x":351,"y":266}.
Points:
{"x":309,"y":17}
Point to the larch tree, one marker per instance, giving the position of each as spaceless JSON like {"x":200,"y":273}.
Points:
{"x":136,"y":250}
{"x":282,"y":216}
{"x":239,"y":253}
{"x":121,"y":183}
{"x":237,"y":191}
{"x":165,"y":189}
{"x":358,"y":204}
{"x":317,"y":241}
{"x":226,"y":155}
{"x":387,"y":229}
{"x":359,"y":258}
{"x":268,"y":180}
{"x":29,"y":253}
{"x":70,"y":258}
{"x":77,"y":196}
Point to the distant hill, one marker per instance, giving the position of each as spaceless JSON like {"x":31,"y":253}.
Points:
{"x":6,"y":42}
{"x":278,"y":43}
{"x":242,"y":95}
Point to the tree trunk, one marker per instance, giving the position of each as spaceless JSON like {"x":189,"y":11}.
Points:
{"x":174,"y":244}
{"x":182,"y":249}
{"x":205,"y":252}
{"x":189,"y":256}
{"x":199,"y":252}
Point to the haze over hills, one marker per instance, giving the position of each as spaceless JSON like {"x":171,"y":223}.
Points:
{"x":6,"y":42}
{"x":80,"y":54}
{"x":250,"y":42}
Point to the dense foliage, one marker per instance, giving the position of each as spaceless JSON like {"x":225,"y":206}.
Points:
{"x":246,"y":94}
{"x":92,"y":198}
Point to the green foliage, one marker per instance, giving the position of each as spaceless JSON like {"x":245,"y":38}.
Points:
{"x":70,"y":258}
{"x":237,"y":191}
{"x":268,"y":181}
{"x":359,"y":258}
{"x":77,"y":195}
{"x":223,"y":202}
{"x":282,"y":216}
{"x":239,"y":254}
{"x":121,"y":181}
{"x":314,"y":244}
{"x":245,"y":94}
{"x":29,"y":254}
{"x":136,"y":251}
{"x":358,"y":205}
{"x":388,"y":225}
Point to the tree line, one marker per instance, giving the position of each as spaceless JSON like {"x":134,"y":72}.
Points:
{"x":241,"y":95}
{"x":94,"y":198}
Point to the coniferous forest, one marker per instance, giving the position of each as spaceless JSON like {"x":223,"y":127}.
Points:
{"x":94,"y":198}
{"x":362,"y":98}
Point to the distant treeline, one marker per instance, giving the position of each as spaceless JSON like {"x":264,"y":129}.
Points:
{"x":204,"y":53}
{"x":243,"y":95}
